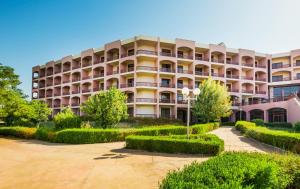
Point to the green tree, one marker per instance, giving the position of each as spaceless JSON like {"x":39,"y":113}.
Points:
{"x":213,"y":102}
{"x":40,"y":111}
{"x":8,"y":78}
{"x":66,"y":119}
{"x":106,"y":108}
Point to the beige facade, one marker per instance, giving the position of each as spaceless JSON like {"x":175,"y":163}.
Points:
{"x":152,"y":71}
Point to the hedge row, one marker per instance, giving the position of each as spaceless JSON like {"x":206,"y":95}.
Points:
{"x":238,"y":170}
{"x":282,"y":139}
{"x":197,"y":144}
{"x":86,"y":136}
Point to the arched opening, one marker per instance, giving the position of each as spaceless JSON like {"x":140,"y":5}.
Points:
{"x":57,"y":80}
{"x":75,"y":101}
{"x":185,"y":52}
{"x":113,"y":82}
{"x":66,"y":66}
{"x":218,"y":57}
{"x":240,"y":115}
{"x":232,"y":73}
{"x":277,"y":115}
{"x":201,"y":70}
{"x":167,"y":66}
{"x":42,"y":83}
{"x":113,"y":54}
{"x":49,"y":71}
{"x":56,"y":103}
{"x":256,"y":114}
{"x":76,"y":76}
{"x":98,"y":72}
{"x":86,"y":87}
{"x":247,"y":61}
{"x":184,"y":82}
{"x":127,"y":66}
{"x":247,"y":88}
{"x":49,"y":93}
{"x":261,"y":76}
{"x":86,"y":61}
{"x":57,"y":68}
{"x":66,"y":90}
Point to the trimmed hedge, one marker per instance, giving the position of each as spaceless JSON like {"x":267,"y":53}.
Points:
{"x":228,"y":123}
{"x":282,"y":139}
{"x":87,"y":136}
{"x":238,"y":170}
{"x":197,"y":144}
{"x":21,"y":132}
{"x":279,"y":124}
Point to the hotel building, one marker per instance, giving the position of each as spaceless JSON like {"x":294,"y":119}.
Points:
{"x":151,"y":71}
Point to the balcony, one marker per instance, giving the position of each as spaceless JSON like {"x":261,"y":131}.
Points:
{"x":260,"y":66}
{"x":217,"y":75}
{"x":99,"y":61}
{"x":201,"y":73}
{"x":131,"y":53}
{"x":49,"y":84}
{"x":297,"y":64}
{"x":66,"y":69}
{"x":86,"y":77}
{"x":167,"y":54}
{"x":247,"y":91}
{"x":86,"y":90}
{"x":56,"y":105}
{"x":260,"y":79}
{"x":278,"y":79}
{"x":41,"y":96}
{"x":75,"y":79}
{"x":66,"y":81}
{"x":167,"y":101}
{"x":146,"y":84}
{"x":247,"y":64}
{"x":127,"y":85}
{"x":146,"y":68}
{"x":75,"y":103}
{"x":112,"y":72}
{"x":57,"y":83}
{"x":247,"y":77}
{"x":41,"y":86}
{"x":112,"y":86}
{"x":181,"y":101}
{"x":185,"y":56}
{"x":217,"y":61}
{"x":169,"y":70}
{"x":130,"y":69}
{"x":48,"y":95}
{"x":181,"y":86}
{"x":49,"y":73}
{"x":98,"y":89}
{"x":113,"y":58}
{"x":184,"y":71}
{"x":232,"y":76}
{"x":56,"y":94}
{"x":96,"y":75}
{"x":201,"y":58}
{"x":278,"y":66}
{"x":231,"y":62}
{"x":166,"y":85}
{"x":65,"y":104}
{"x":75,"y":67}
{"x":66,"y":93}
{"x":260,"y":92}
{"x":146,"y":100}
{"x":57,"y":71}
{"x":146,"y":52}
{"x":75,"y":91}
{"x":86,"y":64}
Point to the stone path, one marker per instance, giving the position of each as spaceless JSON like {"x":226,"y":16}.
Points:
{"x":235,"y":141}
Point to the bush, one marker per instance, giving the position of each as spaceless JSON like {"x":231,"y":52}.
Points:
{"x":46,"y":134}
{"x":297,"y":127}
{"x":21,"y":132}
{"x":66,"y":119}
{"x":279,"y":124}
{"x":282,"y":139}
{"x":228,"y":123}
{"x":258,"y":122}
{"x":204,"y":128}
{"x":237,"y":170}
{"x":146,"y":121}
{"x":197,"y":144}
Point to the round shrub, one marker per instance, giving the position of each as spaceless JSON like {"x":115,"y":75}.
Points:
{"x":258,"y":122}
{"x":297,"y":126}
{"x":235,"y":170}
{"x":66,"y":119}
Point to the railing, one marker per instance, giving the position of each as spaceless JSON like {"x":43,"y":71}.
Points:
{"x":185,"y":56}
{"x":247,"y":77}
{"x":167,"y":101}
{"x":42,"y":75}
{"x":56,"y":105}
{"x":201,"y":73}
{"x":131,"y":69}
{"x":112,"y":58}
{"x":127,"y":54}
{"x":49,"y":84}
{"x":297,"y":64}
{"x":247,"y":64}
{"x":179,"y":101}
{"x":48,"y":95}
{"x":170,"y":70}
{"x":146,"y":84}
{"x":276,"y":79}
{"x":232,"y":76}
{"x":41,"y":96}
{"x":86,"y":90}
{"x":65,"y":104}
{"x":86,"y":64}
{"x":57,"y":71}
{"x":75,"y":103}
{"x":260,"y":66}
{"x":166,"y":85}
{"x":66,"y":81}
{"x":168,"y":116}
{"x":263,"y":101}
{"x":247,"y":91}
{"x":75,"y":67}
{"x":217,"y":61}
{"x":201,"y":58}
{"x":49,"y":73}
{"x":112,"y":86}
{"x":146,"y":115}
{"x":147,"y":68}
{"x":127,"y":85}
{"x":217,"y":75}
{"x":260,"y":79}
{"x":76,"y":92}
{"x":98,"y":61}
{"x":75,"y":79}
{"x":147,"y":52}
{"x":260,"y":92}
{"x":278,"y":66}
{"x":230,"y":62}
{"x":86,"y":77}
{"x":57,"y":83}
{"x":113,"y":72}
{"x":66,"y":69}
{"x":181,"y":86}
{"x":167,"y":54}
{"x":98,"y":75}
{"x":42,"y":86}
{"x":184,"y":71}
{"x":57,"y":94}
{"x":148,"y":100}
{"x":130,"y":100}
{"x":98,"y":88}
{"x":66,"y":93}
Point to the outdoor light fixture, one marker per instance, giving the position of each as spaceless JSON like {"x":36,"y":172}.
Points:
{"x":186,"y":94}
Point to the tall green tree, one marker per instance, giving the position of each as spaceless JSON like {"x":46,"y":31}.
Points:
{"x":40,"y":111}
{"x":213,"y":102}
{"x":8,"y":78}
{"x":106,"y":108}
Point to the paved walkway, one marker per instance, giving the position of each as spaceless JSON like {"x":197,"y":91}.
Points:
{"x":235,"y":141}
{"x":34,"y":164}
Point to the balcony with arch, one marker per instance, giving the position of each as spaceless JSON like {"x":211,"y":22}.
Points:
{"x":247,"y":74}
{"x":57,"y":91}
{"x":167,"y":50}
{"x":167,"y":81}
{"x":217,"y":71}
{"x":296,"y":61}
{"x":113,"y":54}
{"x":99,"y":57}
{"x":49,"y":71}
{"x":201,"y":70}
{"x":112,"y":69}
{"x":75,"y":88}
{"x":87,"y":73}
{"x":232,"y":73}
{"x":49,"y":81}
{"x":127,"y":81}
{"x":57,"y":68}
{"x":127,"y":66}
{"x":112,"y":83}
{"x":232,"y":58}
{"x":261,"y":76}
{"x":261,"y":62}
{"x":281,"y":76}
{"x":86,"y":87}
{"x":87,"y":61}
{"x":49,"y":93}
{"x":65,"y":101}
{"x":217,"y":57}
{"x":98,"y":85}
{"x":185,"y":53}
{"x":281,"y":63}
{"x":42,"y":72}
{"x":130,"y":97}
{"x":42,"y":93}
{"x":167,"y":66}
{"x":201,"y":54}
{"x":167,"y":97}
{"x":127,"y":50}
{"x":98,"y":72}
{"x":247,"y":88}
{"x":75,"y":101}
{"x":66,"y":78}
{"x":76,"y":63}
{"x":49,"y":103}
{"x":66,"y":90}
{"x":261,"y":88}
{"x":233,"y":86}
{"x":247,"y":61}
{"x":185,"y":82}
{"x":42,"y":83}
{"x":57,"y":80}
{"x":146,"y":48}
{"x":76,"y":76}
{"x":56,"y":103}
{"x":66,"y":66}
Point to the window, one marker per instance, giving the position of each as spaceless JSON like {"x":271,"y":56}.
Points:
{"x":166,"y":51}
{"x":165,"y":82}
{"x":298,"y":75}
{"x":277,"y":65}
{"x":228,"y":60}
{"x":165,"y":112}
{"x":130,"y":67}
{"x":180,"y":54}
{"x":277,"y":78}
{"x":180,"y":83}
{"x":130,"y":82}
{"x":180,"y":69}
{"x":199,"y":56}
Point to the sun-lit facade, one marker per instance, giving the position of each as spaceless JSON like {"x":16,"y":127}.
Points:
{"x":152,"y":71}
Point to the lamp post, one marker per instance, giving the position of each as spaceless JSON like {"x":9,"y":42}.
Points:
{"x":186,"y":94}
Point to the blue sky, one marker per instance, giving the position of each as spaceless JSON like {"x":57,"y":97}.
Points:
{"x":34,"y":32}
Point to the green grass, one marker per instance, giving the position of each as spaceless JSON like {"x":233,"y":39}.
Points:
{"x":237,"y":171}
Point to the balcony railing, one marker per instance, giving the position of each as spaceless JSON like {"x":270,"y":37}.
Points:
{"x":86,"y":77}
{"x":66,"y":93}
{"x":75,"y":67}
{"x":49,"y":73}
{"x":184,"y":71}
{"x":86,"y":64}
{"x":41,"y":96}
{"x":201,"y":58}
{"x":57,"y":94}
{"x":260,"y":66}
{"x":278,"y":79}
{"x":66,"y":69}
{"x":127,"y":54}
{"x":42,"y":75}
{"x":75,"y":103}
{"x":297,"y":64}
{"x":112,"y":72}
{"x":57,"y":71}
{"x":217,"y":61}
{"x":260,"y":92}
{"x":75,"y":91}
{"x":86,"y":90}
{"x":185,"y":56}
{"x":98,"y":88}
{"x":96,"y":75}
{"x":57,"y":82}
{"x":56,"y":105}
{"x":65,"y":104}
{"x":167,"y":54}
{"x":75,"y":79}
{"x":180,"y":101}
{"x":275,"y":99}
{"x":181,"y":86}
{"x":41,"y":86}
{"x":169,"y":70}
{"x":278,"y":66}
{"x":232,"y":76}
{"x":147,"y":100}
{"x":49,"y":84}
{"x":130,"y":100}
{"x":217,"y":75}
{"x":146,"y":84}
{"x":166,"y":85}
{"x":260,"y":79}
{"x":231,"y":62}
{"x":112,"y":58}
{"x":247,"y":64}
{"x":247,"y":91}
{"x":126,"y":85}
{"x":167,"y":101}
{"x":66,"y":81}
{"x":146,"y":68}
{"x":147,"y":52}
{"x":130,"y":69}
{"x":247,"y":77}
{"x":112,"y":86}
{"x":48,"y":95}
{"x":201,"y":73}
